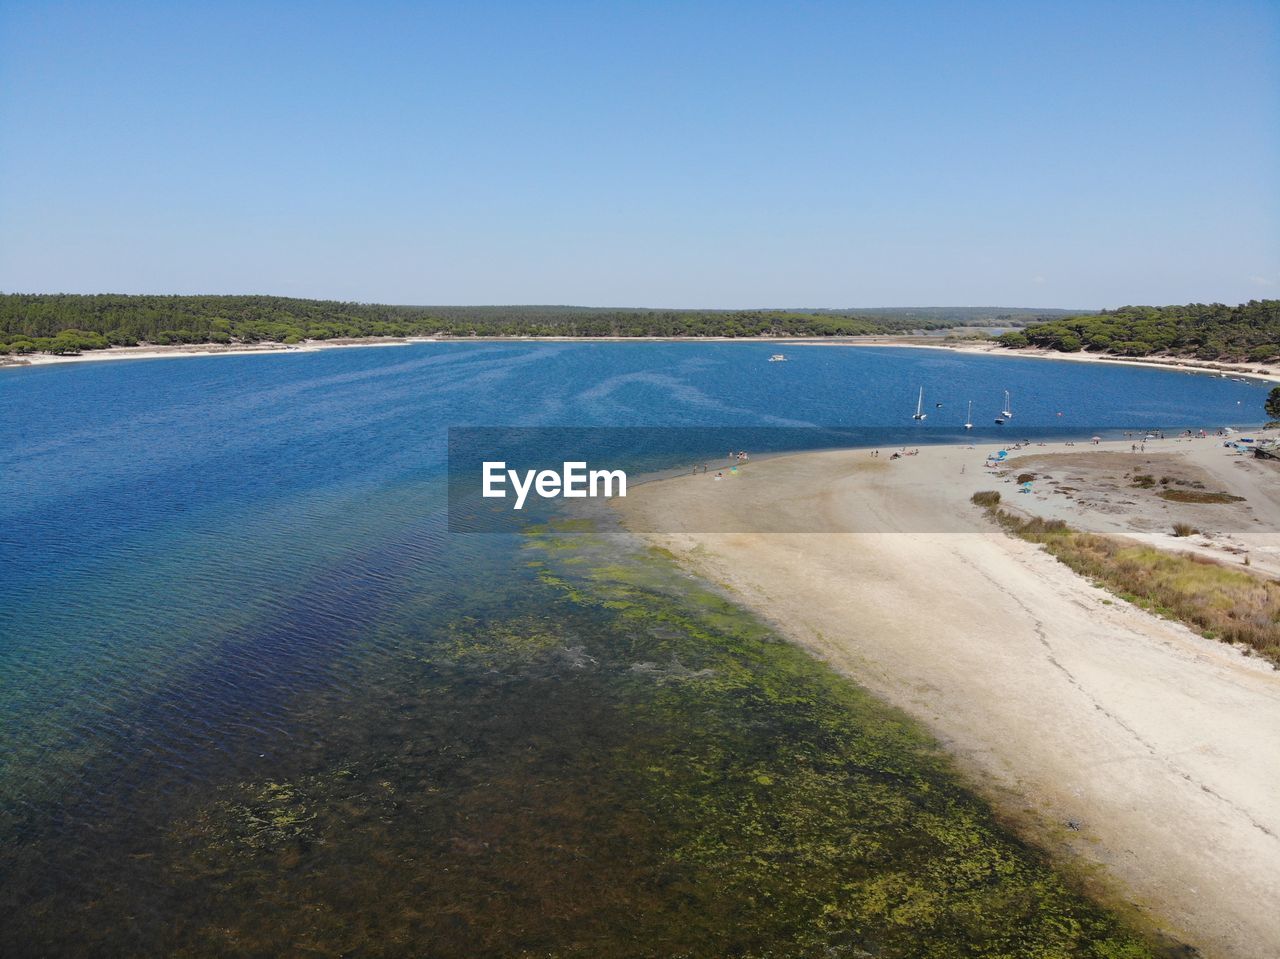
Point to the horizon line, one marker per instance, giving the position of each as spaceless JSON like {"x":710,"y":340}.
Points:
{"x":583,"y":306}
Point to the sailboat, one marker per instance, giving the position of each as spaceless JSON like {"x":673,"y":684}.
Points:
{"x":968,"y":420}
{"x":1006,"y":413}
{"x":920,"y":413}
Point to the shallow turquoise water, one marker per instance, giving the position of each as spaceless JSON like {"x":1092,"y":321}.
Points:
{"x":219,"y":571}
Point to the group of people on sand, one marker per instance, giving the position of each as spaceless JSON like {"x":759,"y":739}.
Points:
{"x":736,"y":459}
{"x":875,"y":454}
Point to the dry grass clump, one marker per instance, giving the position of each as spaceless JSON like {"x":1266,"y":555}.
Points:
{"x":1215,"y":600}
{"x":1195,"y":496}
{"x":1184,"y":529}
{"x":987,"y":499}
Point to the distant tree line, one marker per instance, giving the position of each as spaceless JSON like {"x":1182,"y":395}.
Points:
{"x":1248,"y":332}
{"x":65,"y":323}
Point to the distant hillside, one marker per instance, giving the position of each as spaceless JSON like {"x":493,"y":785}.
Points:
{"x":1248,"y":332}
{"x":61,"y":323}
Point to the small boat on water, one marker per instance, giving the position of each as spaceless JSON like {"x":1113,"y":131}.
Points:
{"x":1006,"y":413}
{"x":968,"y":420}
{"x":920,"y":413}
{"x":778,"y":358}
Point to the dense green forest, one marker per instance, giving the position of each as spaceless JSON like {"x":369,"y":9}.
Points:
{"x":57,"y":323}
{"x":1250,"y":331}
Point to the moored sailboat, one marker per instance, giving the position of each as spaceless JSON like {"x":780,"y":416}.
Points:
{"x":1007,"y":412}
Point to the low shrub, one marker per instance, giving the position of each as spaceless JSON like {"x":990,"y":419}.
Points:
{"x":1197,"y":496}
{"x":1219,"y":602}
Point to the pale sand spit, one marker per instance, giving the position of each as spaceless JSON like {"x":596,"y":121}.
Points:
{"x":1111,"y":737}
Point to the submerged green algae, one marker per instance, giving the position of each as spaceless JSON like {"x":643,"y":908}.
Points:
{"x":821,"y":815}
{"x":594,"y":755}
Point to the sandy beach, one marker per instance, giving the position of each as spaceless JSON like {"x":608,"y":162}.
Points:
{"x":1269,"y":372}
{"x":1132,"y":749}
{"x":188,"y":350}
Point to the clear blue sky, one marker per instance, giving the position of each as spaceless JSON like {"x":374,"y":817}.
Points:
{"x":727,"y":154}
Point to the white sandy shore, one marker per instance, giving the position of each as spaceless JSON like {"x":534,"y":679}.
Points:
{"x":1258,"y":371}
{"x":188,"y":350}
{"x":1269,"y":372}
{"x":1063,"y":704}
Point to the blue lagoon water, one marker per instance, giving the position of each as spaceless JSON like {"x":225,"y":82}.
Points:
{"x":256,"y":699}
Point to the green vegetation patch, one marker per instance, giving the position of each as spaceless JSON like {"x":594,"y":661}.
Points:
{"x":64,"y":323}
{"x":1249,"y":332}
{"x":1198,"y":496}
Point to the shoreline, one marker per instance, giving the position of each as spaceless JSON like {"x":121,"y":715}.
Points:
{"x":1267,"y":372}
{"x":188,"y":350}
{"x":1254,"y":371}
{"x":1134,"y":751}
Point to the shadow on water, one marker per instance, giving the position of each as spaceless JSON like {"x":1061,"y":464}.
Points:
{"x":587,"y":755}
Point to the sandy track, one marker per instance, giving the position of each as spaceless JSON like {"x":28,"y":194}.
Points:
{"x":1065,"y":706}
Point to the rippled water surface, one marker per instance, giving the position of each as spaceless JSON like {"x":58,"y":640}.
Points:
{"x":255,"y":699}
